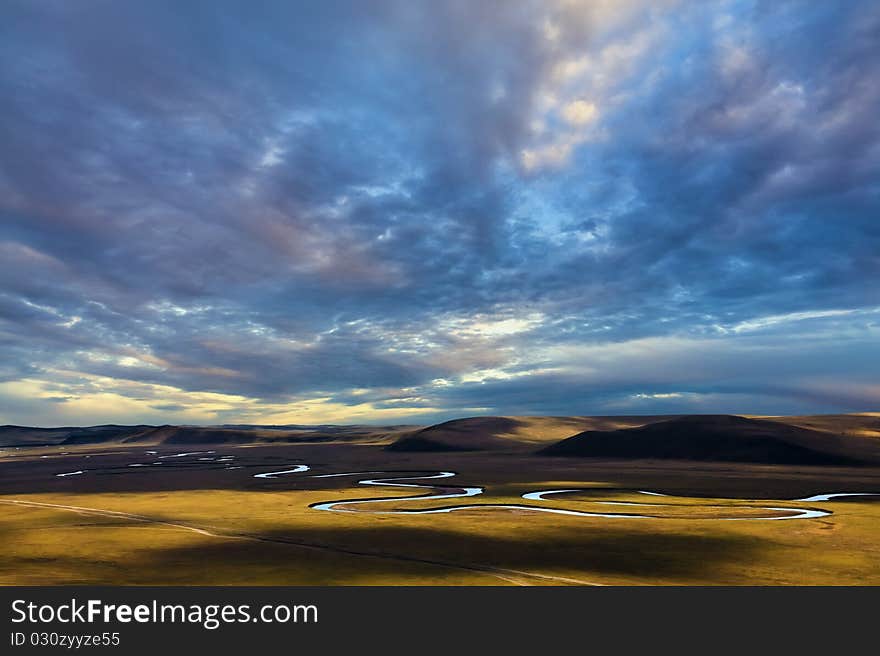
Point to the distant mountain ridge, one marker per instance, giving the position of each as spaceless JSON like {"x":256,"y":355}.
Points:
{"x":819,"y":439}
{"x":23,"y":436}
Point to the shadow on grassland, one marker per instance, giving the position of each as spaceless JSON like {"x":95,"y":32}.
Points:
{"x":615,"y":552}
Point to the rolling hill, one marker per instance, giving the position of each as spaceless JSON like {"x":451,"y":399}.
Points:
{"x":864,"y":424}
{"x":724,"y":438}
{"x":821,"y":439}
{"x":68,"y":435}
{"x":24,"y":436}
{"x":504,"y":433}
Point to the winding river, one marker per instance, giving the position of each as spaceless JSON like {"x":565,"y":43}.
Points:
{"x":439,"y":492}
{"x":296,"y":470}
{"x":649,"y":509}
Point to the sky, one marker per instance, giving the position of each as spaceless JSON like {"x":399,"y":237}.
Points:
{"x":403,"y":212}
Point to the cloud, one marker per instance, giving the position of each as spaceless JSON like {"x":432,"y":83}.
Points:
{"x":400,"y":208}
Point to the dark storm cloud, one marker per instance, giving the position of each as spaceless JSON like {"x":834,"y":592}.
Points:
{"x":285,"y":200}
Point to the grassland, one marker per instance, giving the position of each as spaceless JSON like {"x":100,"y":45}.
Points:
{"x":196,"y":522}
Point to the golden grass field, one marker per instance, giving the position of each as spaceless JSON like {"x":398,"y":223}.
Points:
{"x":198,"y":523}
